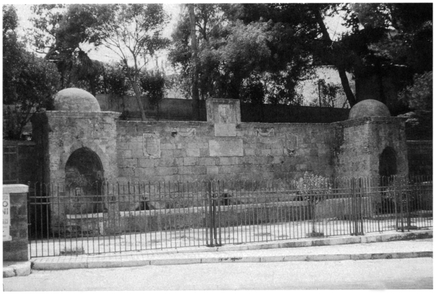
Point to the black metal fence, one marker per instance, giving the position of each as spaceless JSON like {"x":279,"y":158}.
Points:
{"x":127,"y":216}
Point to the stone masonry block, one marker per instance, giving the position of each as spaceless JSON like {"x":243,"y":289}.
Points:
{"x":190,"y":161}
{"x":167,"y":161}
{"x":208,"y":161}
{"x":166,"y":171}
{"x":130,"y":162}
{"x":193,"y":152}
{"x":137,"y":152}
{"x":266,"y":152}
{"x":167,"y":146}
{"x":179,"y":153}
{"x":212,"y":170}
{"x":248,"y":152}
{"x":146,"y":162}
{"x":167,"y":153}
{"x":204,"y":152}
{"x":228,"y":160}
{"x":126,"y":154}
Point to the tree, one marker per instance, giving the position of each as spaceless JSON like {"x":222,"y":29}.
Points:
{"x":314,"y":189}
{"x":419,"y":98}
{"x":133,"y":32}
{"x":327,"y":94}
{"x":12,"y":52}
{"x":29,"y":82}
{"x":192,"y":49}
{"x":153,"y":85}
{"x":115,"y":84}
{"x":59,"y":33}
{"x":230,"y":53}
{"x":392,"y":36}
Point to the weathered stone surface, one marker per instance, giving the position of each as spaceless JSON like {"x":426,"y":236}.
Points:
{"x":223,"y":111}
{"x":225,"y":130}
{"x":369,"y":108}
{"x":75,"y":99}
{"x":226,"y":147}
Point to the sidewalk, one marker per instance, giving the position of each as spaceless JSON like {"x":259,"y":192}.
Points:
{"x":371,"y":246}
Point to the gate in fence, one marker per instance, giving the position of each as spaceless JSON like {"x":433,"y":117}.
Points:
{"x":142,"y":216}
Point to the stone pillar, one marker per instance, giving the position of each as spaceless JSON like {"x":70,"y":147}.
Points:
{"x":362,"y":143}
{"x":15,"y":228}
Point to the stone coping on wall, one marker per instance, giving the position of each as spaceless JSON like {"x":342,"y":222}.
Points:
{"x":15,"y":188}
{"x":62,"y":113}
{"x":208,"y":123}
{"x":364,"y":120}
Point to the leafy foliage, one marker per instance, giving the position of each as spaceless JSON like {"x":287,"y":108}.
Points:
{"x":153,"y":85}
{"x":133,"y":32}
{"x":29,"y":82}
{"x":419,"y":98}
{"x":114,"y":81}
{"x":314,"y":190}
{"x":313,"y":187}
{"x":59,"y":32}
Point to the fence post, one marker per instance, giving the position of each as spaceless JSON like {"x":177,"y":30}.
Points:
{"x":212,"y":216}
{"x":353,"y":206}
{"x":360,"y":210}
{"x":401,"y":203}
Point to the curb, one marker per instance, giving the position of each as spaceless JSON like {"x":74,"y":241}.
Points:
{"x":141,"y":260}
{"x":333,"y":241}
{"x":17,"y":269}
{"x":180,"y":261}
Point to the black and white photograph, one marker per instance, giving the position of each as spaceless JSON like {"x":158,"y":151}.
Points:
{"x":171,"y":146}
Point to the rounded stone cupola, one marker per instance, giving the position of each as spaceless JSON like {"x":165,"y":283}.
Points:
{"x":369,"y":108}
{"x":75,"y":99}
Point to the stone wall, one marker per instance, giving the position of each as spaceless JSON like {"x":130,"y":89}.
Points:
{"x":420,"y":157}
{"x":70,"y":131}
{"x":360,"y":143}
{"x":190,"y":151}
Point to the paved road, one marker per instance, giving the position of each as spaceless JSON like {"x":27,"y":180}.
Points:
{"x":415,"y":273}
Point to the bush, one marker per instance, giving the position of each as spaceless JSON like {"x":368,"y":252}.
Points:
{"x":314,"y":189}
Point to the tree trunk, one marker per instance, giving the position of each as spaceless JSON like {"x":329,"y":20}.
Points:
{"x":138,"y":99}
{"x":195,"y":97}
{"x":341,"y":70}
{"x":346,"y":85}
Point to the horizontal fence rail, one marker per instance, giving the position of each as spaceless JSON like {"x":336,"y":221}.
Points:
{"x":106,"y":217}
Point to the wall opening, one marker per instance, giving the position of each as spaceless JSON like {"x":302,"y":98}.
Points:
{"x":83,"y":180}
{"x":388,"y":163}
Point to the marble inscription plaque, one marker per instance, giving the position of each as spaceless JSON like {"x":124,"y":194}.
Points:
{"x":151,"y":145}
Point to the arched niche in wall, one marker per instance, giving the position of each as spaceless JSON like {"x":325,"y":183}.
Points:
{"x":388,"y":163}
{"x":84,"y":176}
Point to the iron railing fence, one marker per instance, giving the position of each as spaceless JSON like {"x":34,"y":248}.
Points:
{"x":127,"y":216}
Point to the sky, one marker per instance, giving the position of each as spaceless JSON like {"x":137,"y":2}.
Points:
{"x":172,"y":8}
{"x":103,"y":54}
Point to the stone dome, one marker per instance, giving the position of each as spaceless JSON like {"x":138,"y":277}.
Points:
{"x":75,"y":99}
{"x":369,"y":108}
